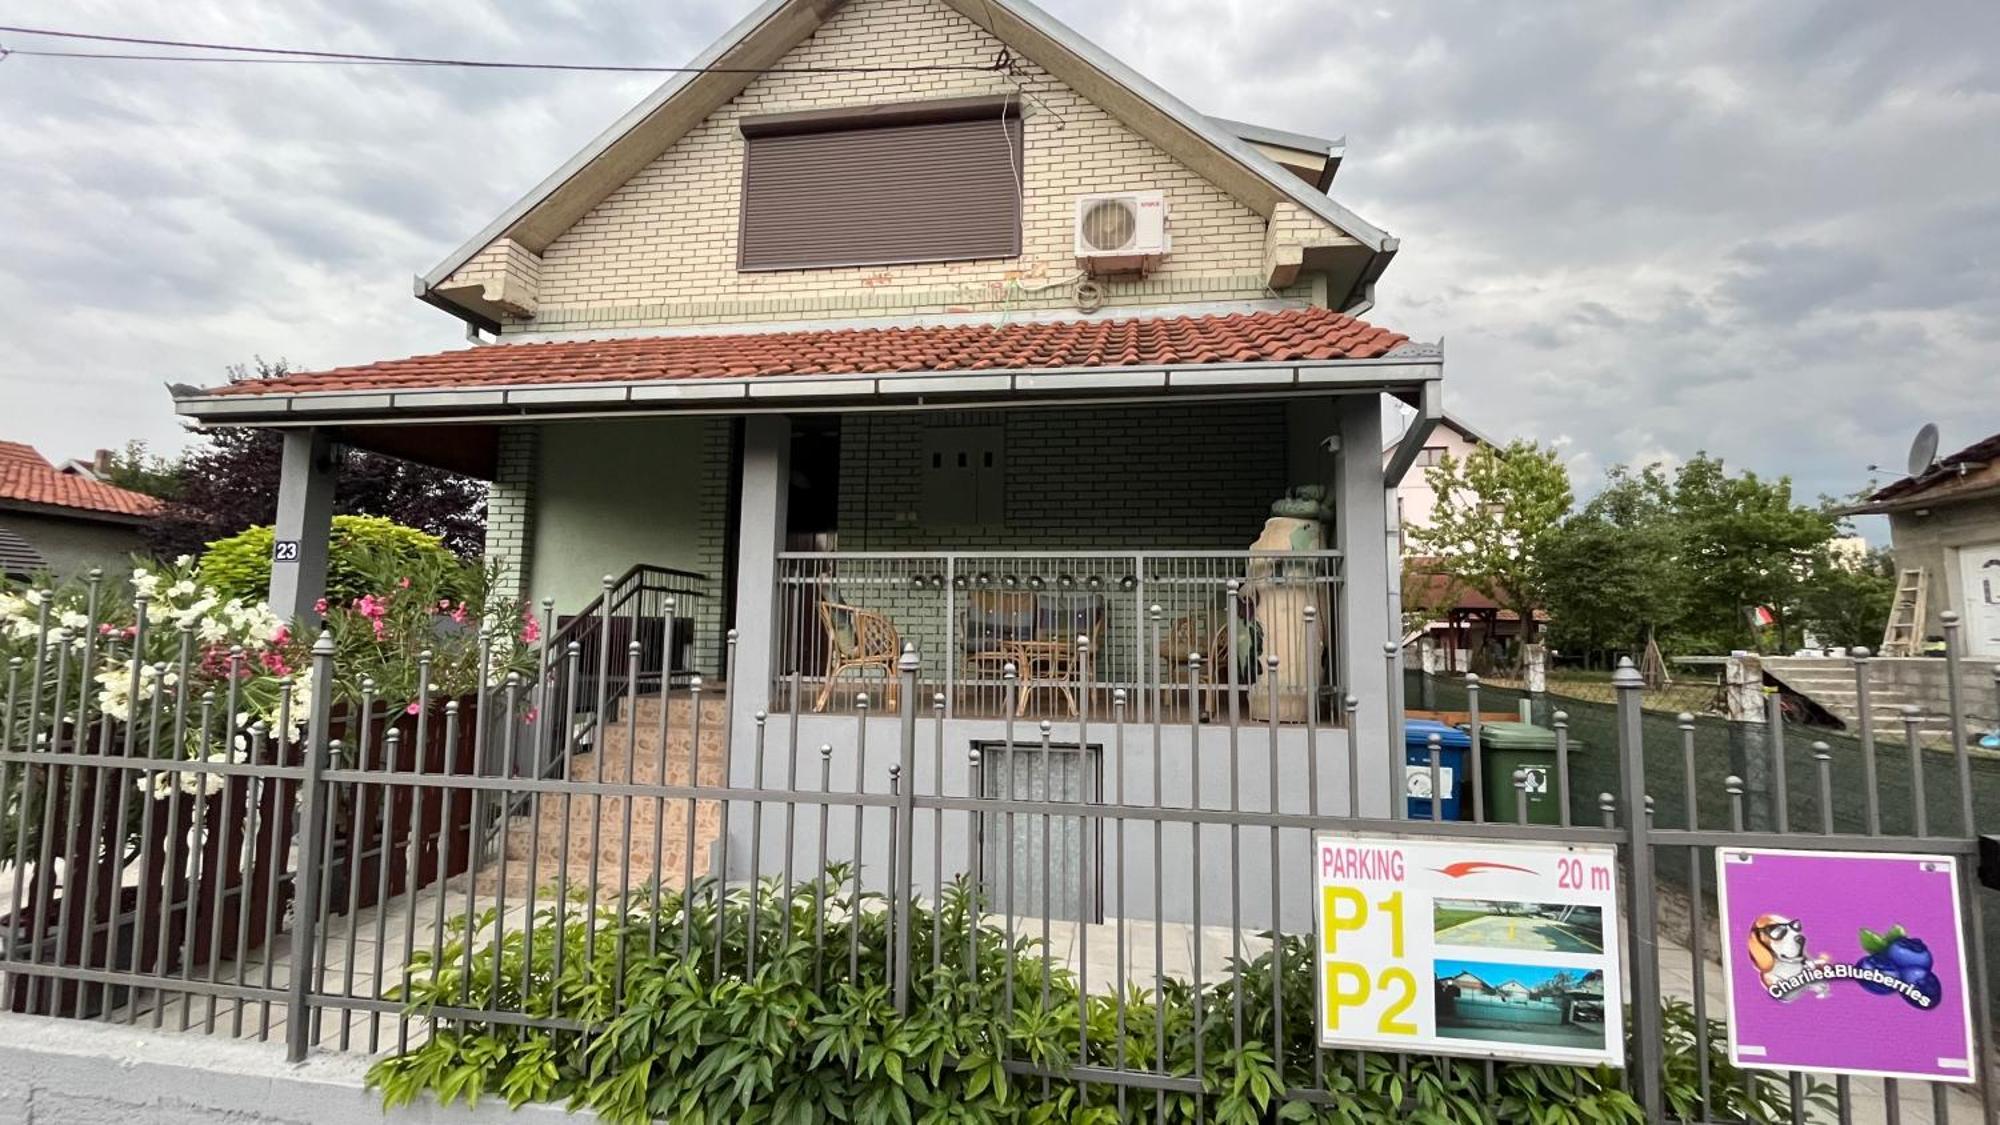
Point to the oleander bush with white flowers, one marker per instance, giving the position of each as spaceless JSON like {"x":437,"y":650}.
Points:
{"x":163,"y":661}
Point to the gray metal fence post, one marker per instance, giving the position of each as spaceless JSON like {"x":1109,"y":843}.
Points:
{"x":1473,"y":755}
{"x":1644,"y":973}
{"x":312,"y":816}
{"x":904,"y":882}
{"x":1982,"y":1016}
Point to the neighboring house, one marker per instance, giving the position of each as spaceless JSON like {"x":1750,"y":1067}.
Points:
{"x":1469,"y":984}
{"x":1465,"y":621}
{"x":1512,"y":990}
{"x":1416,"y":500}
{"x":62,"y":521}
{"x":1945,"y":522}
{"x":1018,"y":350}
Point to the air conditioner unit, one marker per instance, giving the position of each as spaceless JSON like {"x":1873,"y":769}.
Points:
{"x":1121,"y":232}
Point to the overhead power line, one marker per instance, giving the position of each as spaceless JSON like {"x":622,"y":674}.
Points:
{"x":236,"y":53}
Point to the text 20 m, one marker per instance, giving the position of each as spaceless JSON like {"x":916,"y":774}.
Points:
{"x":1575,"y":875}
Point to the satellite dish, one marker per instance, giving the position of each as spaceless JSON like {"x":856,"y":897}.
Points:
{"x":1923,"y":451}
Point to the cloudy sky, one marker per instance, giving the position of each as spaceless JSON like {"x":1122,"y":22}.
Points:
{"x":1770,"y":230}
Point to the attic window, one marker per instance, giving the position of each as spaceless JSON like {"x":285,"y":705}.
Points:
{"x":922,"y":182}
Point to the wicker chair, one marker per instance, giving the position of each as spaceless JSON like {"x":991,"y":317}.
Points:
{"x":856,"y":640}
{"x":1195,"y":633}
{"x":1050,"y":661}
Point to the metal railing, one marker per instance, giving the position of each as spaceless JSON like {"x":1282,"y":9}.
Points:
{"x":654,"y":607}
{"x":843,"y":618}
{"x":381,"y":880}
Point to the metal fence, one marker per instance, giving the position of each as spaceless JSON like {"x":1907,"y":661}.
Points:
{"x":341,"y":890}
{"x":843,"y":618}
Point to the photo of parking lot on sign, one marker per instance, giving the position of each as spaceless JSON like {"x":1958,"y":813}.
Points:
{"x":1535,"y":926}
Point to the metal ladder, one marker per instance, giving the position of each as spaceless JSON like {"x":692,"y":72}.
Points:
{"x":1906,"y":615}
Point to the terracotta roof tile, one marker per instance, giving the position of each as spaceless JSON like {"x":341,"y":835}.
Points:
{"x":1237,"y":338}
{"x":26,"y":477}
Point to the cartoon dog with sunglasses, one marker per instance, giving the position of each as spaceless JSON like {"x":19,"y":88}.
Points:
{"x":1778,"y":948}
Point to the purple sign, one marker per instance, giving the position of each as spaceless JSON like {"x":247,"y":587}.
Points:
{"x":1845,"y":962}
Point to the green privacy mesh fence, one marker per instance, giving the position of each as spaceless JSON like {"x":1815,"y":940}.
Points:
{"x":1833,"y":795}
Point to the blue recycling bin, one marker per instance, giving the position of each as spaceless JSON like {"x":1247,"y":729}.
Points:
{"x":1453,"y":747}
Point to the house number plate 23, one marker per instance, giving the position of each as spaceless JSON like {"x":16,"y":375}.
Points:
{"x":285,"y":550}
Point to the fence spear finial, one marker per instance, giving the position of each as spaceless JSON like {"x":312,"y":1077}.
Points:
{"x":1626,"y":675}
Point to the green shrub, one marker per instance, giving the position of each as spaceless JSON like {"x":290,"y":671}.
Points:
{"x":802,"y":1029}
{"x":366,"y":554}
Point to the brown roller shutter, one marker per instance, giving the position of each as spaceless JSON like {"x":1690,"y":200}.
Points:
{"x":930,"y":191}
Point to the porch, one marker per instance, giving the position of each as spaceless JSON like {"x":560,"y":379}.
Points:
{"x":1191,"y":635}
{"x":1099,"y":519}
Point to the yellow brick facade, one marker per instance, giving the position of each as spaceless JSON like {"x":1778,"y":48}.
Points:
{"x":661,"y":250}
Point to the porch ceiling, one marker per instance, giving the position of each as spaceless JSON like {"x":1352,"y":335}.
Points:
{"x":1287,"y":351}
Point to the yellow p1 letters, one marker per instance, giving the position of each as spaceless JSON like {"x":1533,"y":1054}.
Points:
{"x":1341,"y":908}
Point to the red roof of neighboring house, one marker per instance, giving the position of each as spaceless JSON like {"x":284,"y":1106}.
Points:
{"x":1254,"y":337}
{"x":26,"y":477}
{"x":1438,"y":586}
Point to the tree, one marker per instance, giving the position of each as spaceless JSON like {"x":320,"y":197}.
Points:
{"x":1497,"y":511}
{"x":1844,"y":600}
{"x":1612,"y":574}
{"x":229,"y":482}
{"x":1429,"y":592}
{"x":1745,"y":543}
{"x":138,"y":469}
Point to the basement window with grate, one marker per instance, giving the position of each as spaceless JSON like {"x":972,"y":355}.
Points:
{"x":921,"y":182}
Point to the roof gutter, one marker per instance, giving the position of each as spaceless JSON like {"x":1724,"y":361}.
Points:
{"x":1915,"y":500}
{"x":1407,"y":371}
{"x":1430,"y":411}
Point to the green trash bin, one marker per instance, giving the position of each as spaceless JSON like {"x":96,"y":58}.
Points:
{"x":1507,"y":747}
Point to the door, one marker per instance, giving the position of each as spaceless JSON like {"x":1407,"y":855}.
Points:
{"x":1979,"y":587}
{"x":1053,"y":860}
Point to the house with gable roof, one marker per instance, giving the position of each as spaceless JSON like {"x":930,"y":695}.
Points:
{"x":918,"y":324}
{"x":64,"y":521}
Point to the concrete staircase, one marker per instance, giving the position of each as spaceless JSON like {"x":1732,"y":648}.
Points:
{"x":626,"y":750}
{"x":1893,"y":685}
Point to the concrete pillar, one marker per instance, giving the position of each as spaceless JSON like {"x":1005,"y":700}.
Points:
{"x":1749,"y":737}
{"x":767,"y":452}
{"x":1535,"y":665}
{"x":304,"y":523}
{"x":1365,"y":531}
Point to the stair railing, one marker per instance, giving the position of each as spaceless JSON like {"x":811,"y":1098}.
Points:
{"x":590,"y":669}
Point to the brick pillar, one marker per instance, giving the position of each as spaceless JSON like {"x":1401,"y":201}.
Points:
{"x":711,"y":546}
{"x":510,"y":510}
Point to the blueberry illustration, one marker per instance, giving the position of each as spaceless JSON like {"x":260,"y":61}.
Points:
{"x":1927,"y":984}
{"x":1908,"y":953}
{"x":1877,"y":963}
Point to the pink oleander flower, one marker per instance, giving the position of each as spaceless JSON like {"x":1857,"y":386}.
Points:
{"x":403,"y":583}
{"x":283,"y":634}
{"x":320,"y":606}
{"x":444,"y":604}
{"x":533,"y":714}
{"x":458,"y":614}
{"x":531,"y":630}
{"x":411,"y":709}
